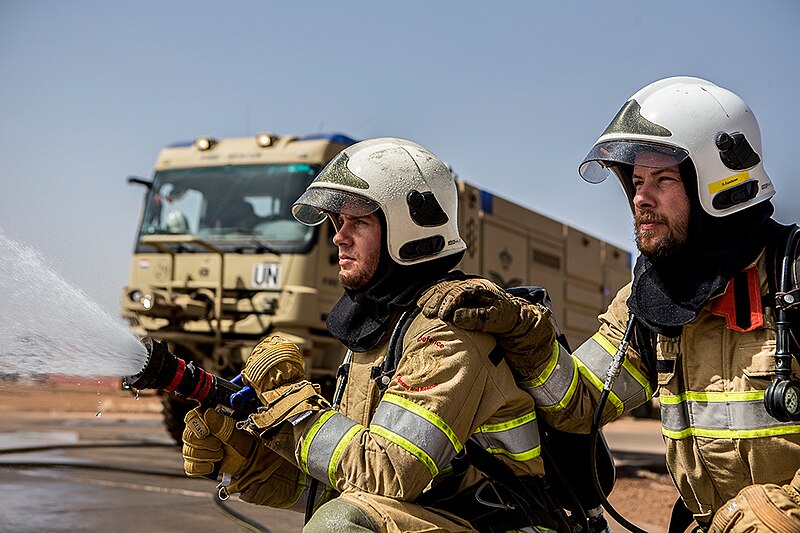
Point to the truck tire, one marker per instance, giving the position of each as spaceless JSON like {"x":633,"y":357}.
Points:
{"x":174,"y":410}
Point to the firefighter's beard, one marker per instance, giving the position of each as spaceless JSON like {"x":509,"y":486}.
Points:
{"x":663,"y":241}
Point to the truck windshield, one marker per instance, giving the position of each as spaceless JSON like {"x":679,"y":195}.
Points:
{"x":233,"y":205}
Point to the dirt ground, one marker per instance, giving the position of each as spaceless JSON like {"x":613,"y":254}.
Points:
{"x":642,"y":494}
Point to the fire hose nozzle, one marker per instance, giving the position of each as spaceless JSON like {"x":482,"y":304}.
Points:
{"x":165,"y":371}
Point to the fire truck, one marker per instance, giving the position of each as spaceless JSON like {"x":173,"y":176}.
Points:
{"x":219,"y":261}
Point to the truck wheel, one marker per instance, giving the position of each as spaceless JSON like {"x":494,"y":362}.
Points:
{"x":174,"y":410}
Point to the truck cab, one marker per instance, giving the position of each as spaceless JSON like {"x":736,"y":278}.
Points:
{"x":220,"y":262}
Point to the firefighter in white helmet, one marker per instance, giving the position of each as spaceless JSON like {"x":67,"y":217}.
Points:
{"x":688,"y":156}
{"x":422,"y":398}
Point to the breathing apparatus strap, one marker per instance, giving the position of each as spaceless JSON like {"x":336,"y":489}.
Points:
{"x":382,"y":375}
{"x":782,"y":255}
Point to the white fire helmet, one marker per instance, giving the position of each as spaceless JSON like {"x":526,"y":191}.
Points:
{"x":692,"y":118}
{"x":414,"y":189}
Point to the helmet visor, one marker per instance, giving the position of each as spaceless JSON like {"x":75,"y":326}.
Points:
{"x":314,"y":205}
{"x":603,"y":156}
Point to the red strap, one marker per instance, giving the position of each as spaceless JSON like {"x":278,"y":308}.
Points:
{"x":203,"y":386}
{"x":725,"y":305}
{"x":176,"y":380}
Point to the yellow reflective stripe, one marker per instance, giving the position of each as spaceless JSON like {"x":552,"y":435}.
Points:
{"x":552,"y":363}
{"x":625,"y":380}
{"x":309,"y":436}
{"x":524,"y":456}
{"x":639,"y":377}
{"x":573,"y":386}
{"x":598,"y":383}
{"x":430,"y":416}
{"x":517,"y":438}
{"x":408,"y":446}
{"x":338,"y":450}
{"x":508,"y":424}
{"x":606,"y":344}
{"x":627,"y":365}
{"x":298,"y":491}
{"x":716,"y":397}
{"x":730,"y":433}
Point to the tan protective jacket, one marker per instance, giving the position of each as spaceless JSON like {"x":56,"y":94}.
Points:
{"x":710,"y":381}
{"x":446,"y":389}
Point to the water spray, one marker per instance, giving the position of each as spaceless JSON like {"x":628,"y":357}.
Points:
{"x":165,"y":371}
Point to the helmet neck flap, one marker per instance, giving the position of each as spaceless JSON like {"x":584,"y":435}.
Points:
{"x":668,"y":292}
{"x":362,"y":317}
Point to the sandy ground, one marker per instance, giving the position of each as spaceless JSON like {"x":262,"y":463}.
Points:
{"x":644,"y":493}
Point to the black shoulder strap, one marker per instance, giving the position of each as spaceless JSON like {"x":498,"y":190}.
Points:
{"x":383,"y":374}
{"x":784,"y":273}
{"x":777,"y":250}
{"x":644,"y":342}
{"x":784,"y":283}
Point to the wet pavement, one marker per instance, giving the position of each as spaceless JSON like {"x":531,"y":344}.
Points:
{"x":64,"y":469}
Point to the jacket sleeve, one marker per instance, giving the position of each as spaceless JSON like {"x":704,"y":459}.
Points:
{"x":568,"y":386}
{"x":431,"y":406}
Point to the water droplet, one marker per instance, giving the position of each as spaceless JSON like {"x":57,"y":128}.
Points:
{"x":98,"y":414}
{"x":136,"y":394}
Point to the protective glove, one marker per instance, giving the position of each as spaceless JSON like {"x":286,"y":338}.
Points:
{"x":213,"y":445}
{"x":474,"y":304}
{"x":275,"y":371}
{"x":273,"y":362}
{"x":761,"y":508}
{"x":524,"y":330}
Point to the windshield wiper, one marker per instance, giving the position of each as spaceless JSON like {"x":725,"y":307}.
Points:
{"x":261,"y":246}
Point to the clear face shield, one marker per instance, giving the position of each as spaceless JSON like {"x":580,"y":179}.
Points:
{"x":318,"y":203}
{"x":608,"y":156}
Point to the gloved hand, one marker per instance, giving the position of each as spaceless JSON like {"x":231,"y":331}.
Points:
{"x":474,"y":304}
{"x":760,"y":508}
{"x":275,"y":371}
{"x":524,"y":330}
{"x":273,"y":362}
{"x":213,"y":445}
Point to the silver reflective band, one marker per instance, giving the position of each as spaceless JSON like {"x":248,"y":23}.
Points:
{"x":325,"y":446}
{"x":518,"y":439}
{"x":627,"y":392}
{"x":550,"y":390}
{"x":421,"y":433}
{"x":732,"y":415}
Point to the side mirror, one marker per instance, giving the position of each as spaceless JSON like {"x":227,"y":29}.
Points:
{"x":136,"y":180}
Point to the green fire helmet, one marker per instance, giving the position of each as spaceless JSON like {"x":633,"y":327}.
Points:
{"x":415,"y":191}
{"x":694,"y":119}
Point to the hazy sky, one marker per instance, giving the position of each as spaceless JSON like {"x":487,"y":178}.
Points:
{"x":511,"y":94}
